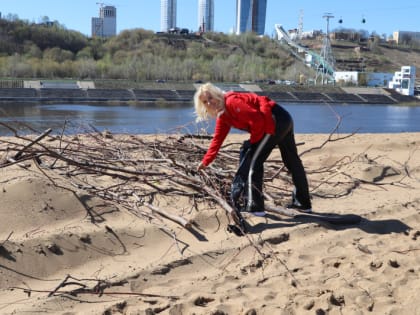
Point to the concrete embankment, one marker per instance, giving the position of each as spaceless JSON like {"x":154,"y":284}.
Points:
{"x":170,"y":96}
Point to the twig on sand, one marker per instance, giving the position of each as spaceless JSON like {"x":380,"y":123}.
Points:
{"x":7,"y":238}
{"x":90,"y":286}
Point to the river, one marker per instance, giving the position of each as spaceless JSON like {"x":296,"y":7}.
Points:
{"x":309,"y":118}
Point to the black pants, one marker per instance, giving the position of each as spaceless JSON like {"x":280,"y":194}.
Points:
{"x":284,"y":139}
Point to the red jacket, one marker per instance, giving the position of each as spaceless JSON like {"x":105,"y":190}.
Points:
{"x":246,"y":111}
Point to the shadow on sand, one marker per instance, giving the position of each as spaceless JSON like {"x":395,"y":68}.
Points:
{"x":332,"y":221}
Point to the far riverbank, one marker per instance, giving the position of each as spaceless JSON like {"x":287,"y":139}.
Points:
{"x":169,"y":94}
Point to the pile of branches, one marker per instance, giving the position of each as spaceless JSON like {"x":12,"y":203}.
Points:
{"x":130,"y":171}
{"x":134,"y":172}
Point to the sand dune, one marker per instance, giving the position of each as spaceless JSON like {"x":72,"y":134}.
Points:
{"x":67,"y":253}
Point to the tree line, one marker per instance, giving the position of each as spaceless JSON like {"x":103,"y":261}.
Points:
{"x":50,"y":51}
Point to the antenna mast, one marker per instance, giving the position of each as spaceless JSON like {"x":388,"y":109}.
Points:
{"x":326,"y":67}
{"x":300,"y":26}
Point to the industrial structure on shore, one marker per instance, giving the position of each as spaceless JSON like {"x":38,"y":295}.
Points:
{"x":403,"y":81}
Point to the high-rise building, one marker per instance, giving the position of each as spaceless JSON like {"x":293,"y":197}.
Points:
{"x":250,"y":16}
{"x":206,"y":15}
{"x":167,"y":15}
{"x":106,"y":24}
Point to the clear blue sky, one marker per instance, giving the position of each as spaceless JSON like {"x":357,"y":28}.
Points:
{"x":382,"y":16}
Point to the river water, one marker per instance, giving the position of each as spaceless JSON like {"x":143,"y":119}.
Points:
{"x":309,"y":118}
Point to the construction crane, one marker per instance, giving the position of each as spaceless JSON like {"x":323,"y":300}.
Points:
{"x":103,"y":13}
{"x":99,"y":27}
{"x":102,"y":4}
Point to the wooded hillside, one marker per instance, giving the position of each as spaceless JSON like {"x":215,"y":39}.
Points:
{"x":47,"y":51}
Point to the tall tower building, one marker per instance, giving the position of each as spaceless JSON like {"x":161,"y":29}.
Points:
{"x":250,"y":16}
{"x":206,"y":15}
{"x":106,"y":24}
{"x":167,"y":15}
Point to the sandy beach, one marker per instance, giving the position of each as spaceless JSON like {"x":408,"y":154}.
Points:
{"x":75,"y":242}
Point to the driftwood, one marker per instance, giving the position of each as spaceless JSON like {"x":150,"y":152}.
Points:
{"x":138,"y":173}
{"x":173,"y":217}
{"x":92,"y":287}
{"x":30,"y":144}
{"x":147,"y":175}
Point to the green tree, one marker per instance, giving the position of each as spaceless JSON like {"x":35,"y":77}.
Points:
{"x":57,"y":54}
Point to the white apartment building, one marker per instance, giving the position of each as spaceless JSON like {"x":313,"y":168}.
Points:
{"x":206,"y":15}
{"x":404,"y":81}
{"x":106,"y":24}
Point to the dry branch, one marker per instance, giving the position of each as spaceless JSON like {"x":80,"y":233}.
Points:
{"x":37,"y":139}
{"x":173,"y":217}
{"x":126,"y":170}
{"x":90,"y":286}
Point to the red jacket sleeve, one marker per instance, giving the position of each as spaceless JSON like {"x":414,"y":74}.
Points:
{"x":221,"y":130}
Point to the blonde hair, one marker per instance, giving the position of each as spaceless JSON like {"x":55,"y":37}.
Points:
{"x":200,"y":107}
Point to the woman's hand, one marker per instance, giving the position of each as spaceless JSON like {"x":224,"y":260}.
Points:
{"x":201,"y":166}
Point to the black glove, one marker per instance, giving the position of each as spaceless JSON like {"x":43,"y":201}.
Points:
{"x":246,"y":148}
